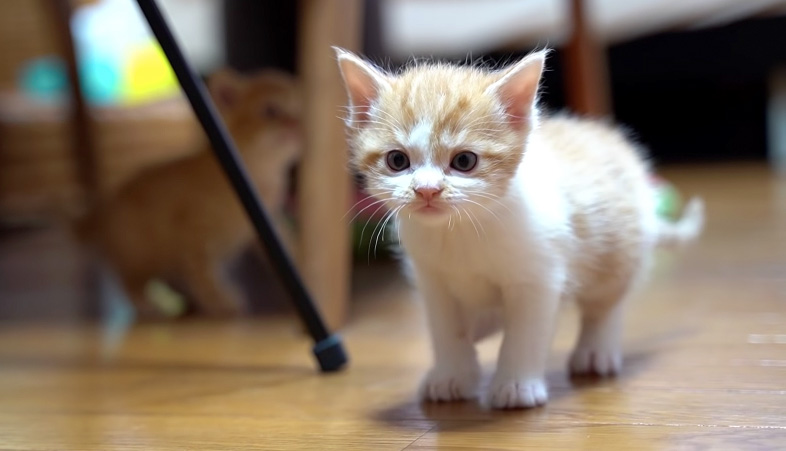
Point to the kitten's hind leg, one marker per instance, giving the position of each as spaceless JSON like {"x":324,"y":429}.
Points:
{"x":598,"y":350}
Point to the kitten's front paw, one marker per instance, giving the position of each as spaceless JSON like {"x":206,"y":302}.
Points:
{"x":596,"y":361}
{"x":514,"y":393}
{"x":441,"y":385}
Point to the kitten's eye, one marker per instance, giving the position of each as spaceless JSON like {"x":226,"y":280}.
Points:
{"x":464,"y":161}
{"x":397,"y":160}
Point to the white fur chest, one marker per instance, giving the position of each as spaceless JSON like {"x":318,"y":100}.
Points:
{"x":462,"y":259}
{"x":520,"y":241}
{"x":472,"y":264}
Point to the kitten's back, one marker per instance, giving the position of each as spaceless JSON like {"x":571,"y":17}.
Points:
{"x":604,"y":178}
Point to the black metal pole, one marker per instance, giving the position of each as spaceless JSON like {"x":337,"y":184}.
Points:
{"x":328,"y":348}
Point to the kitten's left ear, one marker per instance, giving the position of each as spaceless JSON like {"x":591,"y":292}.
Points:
{"x":363,"y":82}
{"x":518,"y":87}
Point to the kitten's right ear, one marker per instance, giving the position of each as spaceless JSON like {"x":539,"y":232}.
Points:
{"x":363,"y":82}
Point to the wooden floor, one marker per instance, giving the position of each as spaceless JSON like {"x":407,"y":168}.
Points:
{"x":705,"y":368}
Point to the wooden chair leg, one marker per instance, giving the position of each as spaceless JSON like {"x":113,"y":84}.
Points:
{"x":586,"y":71}
{"x":324,"y":184}
{"x":83,"y":145}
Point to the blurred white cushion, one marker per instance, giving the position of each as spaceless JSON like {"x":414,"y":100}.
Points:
{"x":458,"y":27}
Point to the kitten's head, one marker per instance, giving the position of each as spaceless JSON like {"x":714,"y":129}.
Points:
{"x":437,"y":138}
{"x":262,"y":112}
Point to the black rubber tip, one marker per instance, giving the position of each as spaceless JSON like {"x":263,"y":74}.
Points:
{"x":330,"y":354}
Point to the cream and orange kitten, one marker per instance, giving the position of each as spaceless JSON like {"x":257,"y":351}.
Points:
{"x":503,"y":214}
{"x":181,"y":222}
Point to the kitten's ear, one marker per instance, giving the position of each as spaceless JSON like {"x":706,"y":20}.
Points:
{"x":363,"y":82}
{"x":517,"y":87}
{"x":226,"y":88}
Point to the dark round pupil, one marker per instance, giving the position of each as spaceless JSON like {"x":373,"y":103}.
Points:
{"x":463,"y":161}
{"x":398,"y":161}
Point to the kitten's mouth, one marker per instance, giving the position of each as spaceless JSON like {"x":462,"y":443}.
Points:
{"x":429,"y":208}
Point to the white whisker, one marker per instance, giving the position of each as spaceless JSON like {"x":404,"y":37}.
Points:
{"x":363,"y":231}
{"x":395,"y":122}
{"x":373,"y":232}
{"x":378,"y":202}
{"x":469,"y":212}
{"x":398,"y":224}
{"x":367,"y":206}
{"x":381,"y":226}
{"x":489,"y":197}
{"x":473,"y":222}
{"x":453,"y":225}
{"x":485,"y":208}
{"x":382,"y":230}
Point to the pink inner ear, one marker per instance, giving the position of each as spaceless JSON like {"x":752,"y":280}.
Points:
{"x":518,"y":90}
{"x":361,"y":103}
{"x":362,"y":92}
{"x":363,"y":86}
{"x":517,"y":99}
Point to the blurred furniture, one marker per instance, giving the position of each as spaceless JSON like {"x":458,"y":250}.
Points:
{"x":423,"y":27}
{"x":325,"y":188}
{"x":41,"y":171}
{"x":586,"y":75}
{"x":583,"y":29}
{"x":54,"y":156}
{"x":39,"y":176}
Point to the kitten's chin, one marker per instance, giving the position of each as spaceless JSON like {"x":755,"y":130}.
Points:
{"x":433,"y":214}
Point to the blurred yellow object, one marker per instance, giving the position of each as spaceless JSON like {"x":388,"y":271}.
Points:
{"x":168,"y":301}
{"x":148,"y":76}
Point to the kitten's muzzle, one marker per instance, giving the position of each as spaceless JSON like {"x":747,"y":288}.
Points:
{"x":428,"y":193}
{"x":429,"y":199}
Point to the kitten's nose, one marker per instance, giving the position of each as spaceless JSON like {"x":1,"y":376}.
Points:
{"x":428,"y":193}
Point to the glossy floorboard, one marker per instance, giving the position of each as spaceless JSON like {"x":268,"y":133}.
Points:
{"x":705,"y":365}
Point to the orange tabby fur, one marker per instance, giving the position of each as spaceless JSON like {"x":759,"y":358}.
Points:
{"x":181,"y":222}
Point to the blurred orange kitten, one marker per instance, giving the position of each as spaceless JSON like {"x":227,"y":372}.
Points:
{"x":502,"y":215}
{"x":181,"y":222}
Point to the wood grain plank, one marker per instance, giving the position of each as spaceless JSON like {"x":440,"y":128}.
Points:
{"x":705,"y":349}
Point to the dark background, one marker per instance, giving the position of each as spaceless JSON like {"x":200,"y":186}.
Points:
{"x":690,"y":96}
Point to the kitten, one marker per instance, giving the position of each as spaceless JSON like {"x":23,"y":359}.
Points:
{"x":181,"y":222}
{"x":502,"y":215}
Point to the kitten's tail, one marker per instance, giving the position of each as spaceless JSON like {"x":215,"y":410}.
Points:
{"x":685,"y":229}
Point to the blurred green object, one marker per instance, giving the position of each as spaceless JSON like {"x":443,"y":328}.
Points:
{"x":168,"y":301}
{"x":668,"y":201}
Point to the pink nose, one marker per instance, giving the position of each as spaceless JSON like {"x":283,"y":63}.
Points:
{"x":428,"y":193}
